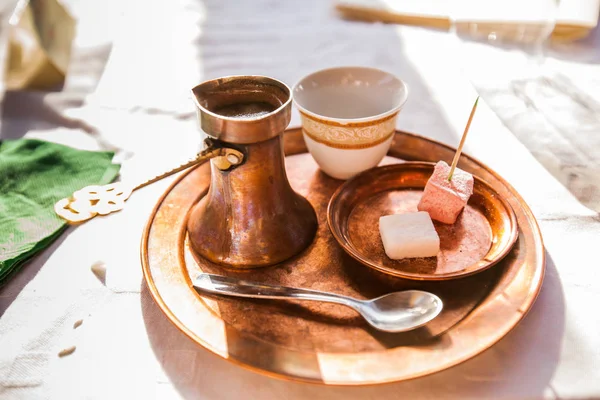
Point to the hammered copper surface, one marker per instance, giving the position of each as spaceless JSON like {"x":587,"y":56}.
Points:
{"x":483,"y":233}
{"x":303,"y":325}
{"x":251,"y":217}
{"x":325,"y":343}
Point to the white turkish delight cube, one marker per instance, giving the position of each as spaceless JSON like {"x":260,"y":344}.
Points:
{"x":409,"y":235}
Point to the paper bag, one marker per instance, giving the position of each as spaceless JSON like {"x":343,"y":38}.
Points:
{"x":40,"y":36}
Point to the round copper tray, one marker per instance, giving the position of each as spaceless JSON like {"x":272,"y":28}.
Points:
{"x":324,"y":343}
{"x":483,"y":234}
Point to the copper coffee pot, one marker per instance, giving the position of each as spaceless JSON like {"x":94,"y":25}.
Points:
{"x":251,"y":217}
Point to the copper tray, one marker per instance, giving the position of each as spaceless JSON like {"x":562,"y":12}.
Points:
{"x":482,"y":235}
{"x":324,"y":343}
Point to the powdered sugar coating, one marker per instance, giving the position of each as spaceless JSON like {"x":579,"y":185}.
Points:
{"x":409,"y":235}
{"x":443,"y":199}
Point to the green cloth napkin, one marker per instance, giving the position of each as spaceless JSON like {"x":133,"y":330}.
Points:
{"x":34,"y":175}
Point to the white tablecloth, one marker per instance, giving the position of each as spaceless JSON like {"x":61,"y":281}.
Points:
{"x":128,"y":90}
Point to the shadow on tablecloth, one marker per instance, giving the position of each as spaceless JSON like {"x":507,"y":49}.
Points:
{"x":20,"y":278}
{"x":23,"y":111}
{"x":30,"y":110}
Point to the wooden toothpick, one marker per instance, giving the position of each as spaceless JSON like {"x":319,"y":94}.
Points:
{"x":462,"y":141}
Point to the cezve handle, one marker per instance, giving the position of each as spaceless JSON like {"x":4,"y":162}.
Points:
{"x":94,"y":200}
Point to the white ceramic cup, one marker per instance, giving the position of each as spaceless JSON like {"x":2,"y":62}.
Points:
{"x":349,"y":117}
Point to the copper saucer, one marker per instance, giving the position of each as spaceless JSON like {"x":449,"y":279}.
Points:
{"x":329,"y":344}
{"x":483,"y":234}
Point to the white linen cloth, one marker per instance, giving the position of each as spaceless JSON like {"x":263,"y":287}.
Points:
{"x":128,"y":90}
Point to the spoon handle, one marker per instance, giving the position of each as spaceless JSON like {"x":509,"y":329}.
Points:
{"x":223,"y":285}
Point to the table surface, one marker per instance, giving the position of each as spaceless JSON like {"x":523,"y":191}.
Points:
{"x":128,"y":90}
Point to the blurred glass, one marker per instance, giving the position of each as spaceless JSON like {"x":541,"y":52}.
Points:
{"x":502,"y":40}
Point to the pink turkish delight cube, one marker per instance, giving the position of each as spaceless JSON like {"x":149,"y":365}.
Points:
{"x":444,"y":199}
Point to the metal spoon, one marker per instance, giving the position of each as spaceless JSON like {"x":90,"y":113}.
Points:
{"x":394,"y":312}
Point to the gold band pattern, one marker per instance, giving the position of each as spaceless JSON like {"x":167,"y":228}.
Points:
{"x":347,"y":146}
{"x":349,"y":124}
{"x":352,"y":136}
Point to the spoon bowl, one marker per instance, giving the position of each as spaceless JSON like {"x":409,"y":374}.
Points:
{"x":401,"y":311}
{"x":393,"y":312}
